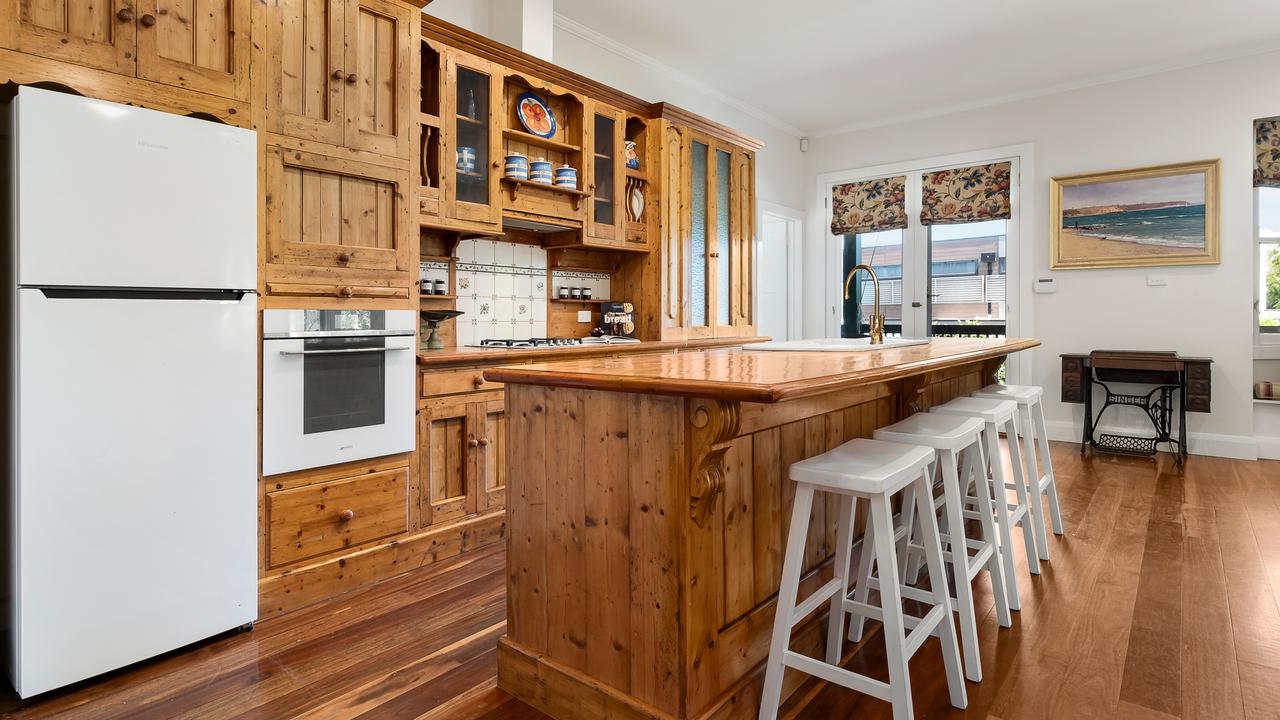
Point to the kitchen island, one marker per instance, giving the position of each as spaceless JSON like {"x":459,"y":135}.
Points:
{"x":647,"y":507}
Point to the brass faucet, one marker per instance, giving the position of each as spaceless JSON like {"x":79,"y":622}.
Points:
{"x":877,"y":318}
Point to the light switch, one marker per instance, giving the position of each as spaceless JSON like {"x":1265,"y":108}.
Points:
{"x":1045,"y":285}
{"x":584,"y":316}
{"x":1157,"y":280}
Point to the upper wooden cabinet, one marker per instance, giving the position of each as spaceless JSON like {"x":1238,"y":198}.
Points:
{"x":471,"y":116}
{"x":340,"y":72}
{"x":201,"y":45}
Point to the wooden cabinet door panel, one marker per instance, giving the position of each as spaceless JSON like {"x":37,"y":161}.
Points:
{"x":305,"y":65}
{"x":201,"y":45}
{"x":447,"y":439}
{"x":100,"y":34}
{"x":491,"y":468}
{"x":377,"y":101}
{"x":315,"y":519}
{"x":334,"y":213}
{"x":472,"y":84}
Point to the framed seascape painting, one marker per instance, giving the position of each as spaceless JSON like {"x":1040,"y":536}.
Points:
{"x":1166,"y":215}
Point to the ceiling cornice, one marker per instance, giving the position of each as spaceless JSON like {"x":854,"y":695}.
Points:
{"x":577,"y":29}
{"x":1136,"y":73}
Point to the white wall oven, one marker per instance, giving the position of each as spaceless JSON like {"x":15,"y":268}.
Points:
{"x":337,"y":385}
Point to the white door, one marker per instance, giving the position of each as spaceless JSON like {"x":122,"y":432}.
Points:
{"x":117,"y":196}
{"x":136,"y":494}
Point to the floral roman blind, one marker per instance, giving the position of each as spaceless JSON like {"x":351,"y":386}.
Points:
{"x":869,"y":206}
{"x":1266,"y":150}
{"x":966,"y":194}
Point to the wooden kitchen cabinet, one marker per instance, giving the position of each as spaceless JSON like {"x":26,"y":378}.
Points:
{"x":339,"y":72}
{"x":461,"y":453}
{"x":470,"y":124}
{"x":604,"y":165}
{"x":337,"y":223}
{"x":311,"y":520}
{"x":199,"y":45}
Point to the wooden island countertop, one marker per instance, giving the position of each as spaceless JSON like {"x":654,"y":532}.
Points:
{"x":755,"y":375}
{"x":647,"y":504}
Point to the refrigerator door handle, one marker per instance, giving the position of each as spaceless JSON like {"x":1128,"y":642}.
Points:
{"x":69,"y":293}
{"x":346,"y":350}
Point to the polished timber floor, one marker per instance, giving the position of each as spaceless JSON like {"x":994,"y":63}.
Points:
{"x":1161,"y":601}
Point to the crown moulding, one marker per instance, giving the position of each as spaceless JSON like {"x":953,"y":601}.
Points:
{"x":454,"y":36}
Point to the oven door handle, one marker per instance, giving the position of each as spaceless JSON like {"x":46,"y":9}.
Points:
{"x":338,"y":352}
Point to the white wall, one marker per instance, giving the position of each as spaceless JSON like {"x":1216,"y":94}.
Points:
{"x":1189,"y":114}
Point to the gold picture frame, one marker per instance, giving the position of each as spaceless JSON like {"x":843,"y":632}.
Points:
{"x":1114,"y":219}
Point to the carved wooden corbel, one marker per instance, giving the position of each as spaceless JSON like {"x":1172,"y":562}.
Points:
{"x":715,"y":424}
{"x":911,"y":396}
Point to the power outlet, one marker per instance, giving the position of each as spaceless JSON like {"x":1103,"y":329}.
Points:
{"x":1157,"y":280}
{"x":584,"y":316}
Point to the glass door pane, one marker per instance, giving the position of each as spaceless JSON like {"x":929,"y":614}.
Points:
{"x":604,"y":193}
{"x":472,"y":147}
{"x":966,"y":279}
{"x":723,"y":253}
{"x":698,"y":291}
{"x":883,"y":252}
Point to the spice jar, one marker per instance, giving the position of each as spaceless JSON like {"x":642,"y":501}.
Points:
{"x":564,"y":292}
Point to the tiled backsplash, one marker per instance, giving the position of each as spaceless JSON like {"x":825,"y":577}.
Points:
{"x":502,"y":291}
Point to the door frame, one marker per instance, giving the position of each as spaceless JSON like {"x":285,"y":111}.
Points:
{"x":1019,"y":310}
{"x":794,"y":220}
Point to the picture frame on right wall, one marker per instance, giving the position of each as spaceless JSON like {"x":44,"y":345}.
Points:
{"x":1162,"y":215}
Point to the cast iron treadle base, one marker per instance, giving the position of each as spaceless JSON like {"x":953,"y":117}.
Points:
{"x":1126,"y":444}
{"x":1117,"y":399}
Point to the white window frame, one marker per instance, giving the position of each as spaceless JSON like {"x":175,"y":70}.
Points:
{"x":1266,"y":346}
{"x":1019,"y":310}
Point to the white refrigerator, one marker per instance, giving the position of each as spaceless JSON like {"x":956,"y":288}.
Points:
{"x":132,"y":384}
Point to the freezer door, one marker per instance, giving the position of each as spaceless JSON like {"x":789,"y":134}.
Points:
{"x":117,"y":196}
{"x":135,"y":506}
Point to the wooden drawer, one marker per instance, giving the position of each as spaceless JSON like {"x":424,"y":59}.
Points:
{"x":338,"y":291}
{"x":316,"y":519}
{"x":451,"y":382}
{"x":1198,"y":371}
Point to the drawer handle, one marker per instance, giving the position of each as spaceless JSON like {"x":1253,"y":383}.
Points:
{"x":345,"y":292}
{"x":125,"y":15}
{"x":147,"y":20}
{"x":472,"y":442}
{"x":484,"y":442}
{"x":344,"y":258}
{"x":347,"y":514}
{"x":478,"y":380}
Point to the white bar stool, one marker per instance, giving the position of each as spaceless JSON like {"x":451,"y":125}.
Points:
{"x":874,"y":471}
{"x":997,"y":414}
{"x":1031,"y":428}
{"x":958,"y":442}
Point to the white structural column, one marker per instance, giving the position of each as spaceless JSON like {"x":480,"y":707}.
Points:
{"x":523,"y":24}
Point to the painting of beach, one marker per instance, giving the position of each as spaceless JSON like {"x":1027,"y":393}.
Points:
{"x":1153,"y":216}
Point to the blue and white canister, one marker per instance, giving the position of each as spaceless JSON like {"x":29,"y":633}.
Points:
{"x":467,"y":160}
{"x":516,"y":166}
{"x":567,"y":177}
{"x":540,"y":171}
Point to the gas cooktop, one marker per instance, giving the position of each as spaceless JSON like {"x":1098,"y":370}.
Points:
{"x":529,"y":343}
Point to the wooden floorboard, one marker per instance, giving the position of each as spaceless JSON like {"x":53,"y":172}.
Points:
{"x":1161,"y":601}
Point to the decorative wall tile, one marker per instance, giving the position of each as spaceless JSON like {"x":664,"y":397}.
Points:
{"x":539,"y":258}
{"x":466,"y":252}
{"x":483,"y":251}
{"x":504,"y":285}
{"x":504,"y":254}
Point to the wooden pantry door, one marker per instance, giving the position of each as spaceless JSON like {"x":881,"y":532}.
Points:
{"x":201,"y":45}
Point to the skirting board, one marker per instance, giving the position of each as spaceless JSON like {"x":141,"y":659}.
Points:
{"x":1268,"y":448}
{"x":1239,"y":447}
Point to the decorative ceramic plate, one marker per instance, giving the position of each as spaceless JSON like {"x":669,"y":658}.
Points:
{"x":535,"y":115}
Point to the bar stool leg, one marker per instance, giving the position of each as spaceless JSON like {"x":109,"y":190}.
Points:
{"x":786,"y":606}
{"x":1020,"y":488}
{"x":1027,"y":436}
{"x":992,"y":450}
{"x":1042,"y":435}
{"x":971,"y":458}
{"x":963,"y":591}
{"x":862,"y":591}
{"x":908,"y":561}
{"x":946,"y":629}
{"x":844,"y":548}
{"x":891,"y":599}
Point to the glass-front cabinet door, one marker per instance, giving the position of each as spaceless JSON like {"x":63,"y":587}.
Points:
{"x":606,"y":176}
{"x":720,"y":223}
{"x":472,"y":141}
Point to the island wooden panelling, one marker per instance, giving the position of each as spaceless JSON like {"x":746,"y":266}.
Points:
{"x":646,"y":534}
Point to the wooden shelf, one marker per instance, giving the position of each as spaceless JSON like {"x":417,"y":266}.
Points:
{"x":436,"y":258}
{"x":429,"y":119}
{"x":602,"y":156}
{"x":1266,"y":401}
{"x":437,"y":297}
{"x":638,"y":175}
{"x":531,"y":139}
{"x":470,"y":120}
{"x":515,"y":186}
{"x":473,"y":176}
{"x":566,"y":268}
{"x":579,"y":300}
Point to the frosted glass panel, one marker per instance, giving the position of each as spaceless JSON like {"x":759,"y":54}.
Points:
{"x":724,"y":261}
{"x":698,"y":261}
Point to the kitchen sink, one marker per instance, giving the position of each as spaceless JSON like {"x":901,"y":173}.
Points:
{"x":834,"y":344}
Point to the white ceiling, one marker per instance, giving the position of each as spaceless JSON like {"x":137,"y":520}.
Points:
{"x":828,"y":65}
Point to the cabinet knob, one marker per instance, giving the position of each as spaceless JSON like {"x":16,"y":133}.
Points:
{"x":473,"y":443}
{"x":346,"y":515}
{"x":496,"y":164}
{"x":484,"y":442}
{"x":478,"y":380}
{"x":125,"y":15}
{"x":337,"y":74}
{"x":344,"y":258}
{"x":345,"y":292}
{"x":147,"y":20}
{"x":351,"y":79}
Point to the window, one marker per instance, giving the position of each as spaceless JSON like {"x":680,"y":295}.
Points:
{"x":955,"y":267}
{"x":1268,"y":237}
